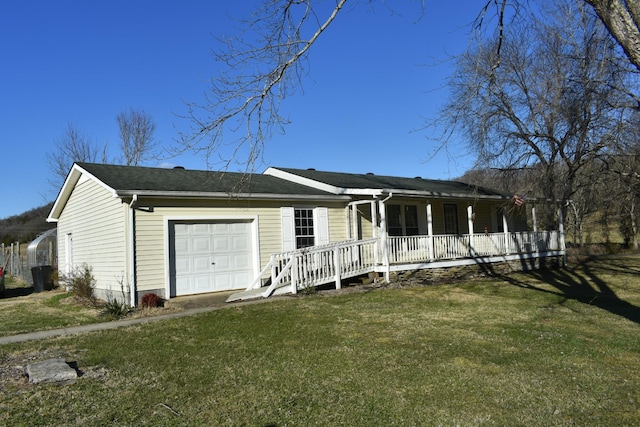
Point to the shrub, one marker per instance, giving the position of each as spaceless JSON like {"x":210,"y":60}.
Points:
{"x":81,"y":283}
{"x":151,"y":300}
{"x":115,"y":308}
{"x":308,"y":290}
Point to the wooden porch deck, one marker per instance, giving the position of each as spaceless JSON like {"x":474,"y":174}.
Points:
{"x":290,"y":272}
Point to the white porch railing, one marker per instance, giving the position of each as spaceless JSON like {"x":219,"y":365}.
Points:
{"x":318,"y":265}
{"x":414,"y":249}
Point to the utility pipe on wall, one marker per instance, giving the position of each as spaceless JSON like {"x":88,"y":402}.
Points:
{"x":132,"y":254}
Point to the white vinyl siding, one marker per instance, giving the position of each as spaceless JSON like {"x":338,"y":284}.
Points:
{"x":96,"y":222}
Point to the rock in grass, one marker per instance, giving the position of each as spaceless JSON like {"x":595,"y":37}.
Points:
{"x":52,"y":370}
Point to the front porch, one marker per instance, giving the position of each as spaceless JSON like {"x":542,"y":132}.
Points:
{"x":292,"y":271}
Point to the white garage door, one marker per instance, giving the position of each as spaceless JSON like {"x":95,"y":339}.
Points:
{"x":212,"y":256}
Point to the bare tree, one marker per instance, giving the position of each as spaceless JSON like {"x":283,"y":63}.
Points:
{"x":266,"y":61}
{"x":551,"y":105}
{"x":72,"y":146}
{"x":622,"y":19}
{"x":622,"y":165}
{"x":136,"y":135}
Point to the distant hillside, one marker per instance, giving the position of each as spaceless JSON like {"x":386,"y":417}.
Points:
{"x":25,"y":227}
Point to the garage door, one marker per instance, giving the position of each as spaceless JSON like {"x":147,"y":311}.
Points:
{"x":211,"y":256}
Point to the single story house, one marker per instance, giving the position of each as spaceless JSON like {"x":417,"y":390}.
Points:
{"x":178,"y":232}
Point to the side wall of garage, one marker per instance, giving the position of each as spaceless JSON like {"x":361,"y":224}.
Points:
{"x":91,"y":231}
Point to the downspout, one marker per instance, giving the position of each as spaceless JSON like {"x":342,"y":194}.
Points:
{"x":132,"y":256}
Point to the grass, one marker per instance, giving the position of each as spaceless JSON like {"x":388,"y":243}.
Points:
{"x":23,"y":311}
{"x":548,"y":348}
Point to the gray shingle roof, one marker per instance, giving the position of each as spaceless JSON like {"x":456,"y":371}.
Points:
{"x":135,"y":179}
{"x":371,"y":181}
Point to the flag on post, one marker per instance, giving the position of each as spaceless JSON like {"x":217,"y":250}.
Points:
{"x":518,"y":200}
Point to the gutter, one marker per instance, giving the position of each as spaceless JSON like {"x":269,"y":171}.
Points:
{"x":227,"y":196}
{"x":132,"y":255}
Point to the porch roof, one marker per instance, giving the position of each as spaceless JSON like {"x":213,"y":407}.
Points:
{"x":370,"y":184}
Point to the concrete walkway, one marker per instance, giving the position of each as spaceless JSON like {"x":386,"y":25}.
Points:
{"x":191,"y":305}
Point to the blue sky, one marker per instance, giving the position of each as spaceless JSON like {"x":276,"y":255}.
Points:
{"x":374,"y":77}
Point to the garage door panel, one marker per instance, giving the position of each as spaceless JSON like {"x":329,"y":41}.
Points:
{"x":201,"y":264}
{"x":241,"y":262}
{"x":201,"y":244}
{"x":220,"y":227}
{"x":181,"y":228}
{"x":220,"y":243}
{"x":212,"y":256}
{"x":222,"y":262}
{"x":240,"y":227}
{"x":195,"y":229}
{"x":183,"y":265}
{"x":240,"y":243}
{"x":181,"y":245}
{"x":202,"y":283}
{"x":183,"y":285}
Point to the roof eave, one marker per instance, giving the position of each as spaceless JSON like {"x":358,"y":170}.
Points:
{"x":441,"y":195}
{"x":226,"y":195}
{"x":70,"y":182}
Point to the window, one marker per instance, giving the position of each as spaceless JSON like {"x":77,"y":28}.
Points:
{"x":394,"y":220}
{"x":499,"y":223}
{"x":402,"y":220}
{"x":411,"y":220}
{"x":450,"y":219}
{"x":304,"y":227}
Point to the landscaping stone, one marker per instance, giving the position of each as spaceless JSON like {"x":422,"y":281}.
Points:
{"x":52,"y":370}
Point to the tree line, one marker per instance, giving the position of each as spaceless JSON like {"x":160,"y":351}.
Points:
{"x":26,"y":226}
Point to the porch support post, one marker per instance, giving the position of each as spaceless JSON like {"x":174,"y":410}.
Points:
{"x":563,"y":246}
{"x":470,"y":224}
{"x":336,"y":262}
{"x":505,"y":226}
{"x":534,"y":219}
{"x":430,"y":231}
{"x":374,"y":220}
{"x":294,"y":274}
{"x":383,"y":240}
{"x":348,"y":221}
{"x":354,"y":222}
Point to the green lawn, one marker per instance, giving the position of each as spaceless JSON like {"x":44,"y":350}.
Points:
{"x":543,"y":349}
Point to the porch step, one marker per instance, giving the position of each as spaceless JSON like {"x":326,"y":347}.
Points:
{"x":256,"y":293}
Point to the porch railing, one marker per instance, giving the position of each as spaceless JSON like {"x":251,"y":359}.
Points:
{"x":414,"y":249}
{"x":318,"y":265}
